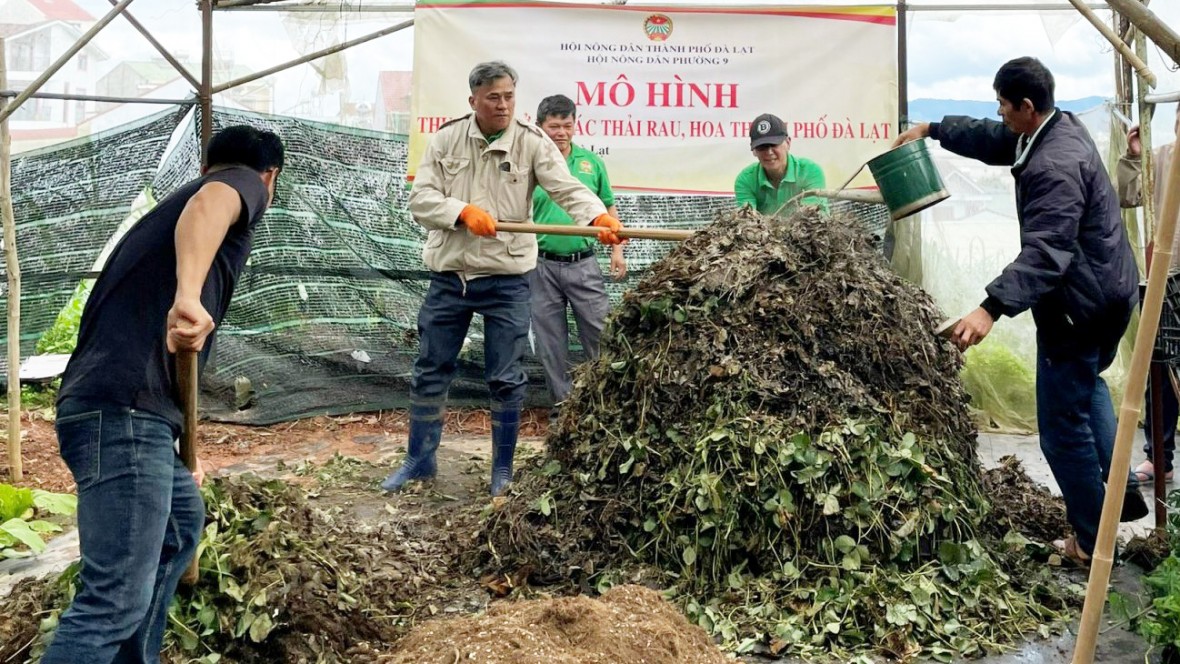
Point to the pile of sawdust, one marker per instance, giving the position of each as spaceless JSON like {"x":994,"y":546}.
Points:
{"x":628,"y":625}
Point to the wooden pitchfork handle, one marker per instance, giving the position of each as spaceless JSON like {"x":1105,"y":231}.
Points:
{"x":593,"y":231}
{"x":188,"y":379}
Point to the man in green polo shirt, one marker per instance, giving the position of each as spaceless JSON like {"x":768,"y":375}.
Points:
{"x":778,"y":176}
{"x":567,"y":273}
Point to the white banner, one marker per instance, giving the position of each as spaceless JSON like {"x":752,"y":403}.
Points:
{"x":666,"y":95}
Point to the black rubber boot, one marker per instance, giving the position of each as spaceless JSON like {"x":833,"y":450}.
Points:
{"x":426,"y":423}
{"x":505,"y":430}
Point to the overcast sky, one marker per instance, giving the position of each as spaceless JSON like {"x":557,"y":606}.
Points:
{"x":952,"y":55}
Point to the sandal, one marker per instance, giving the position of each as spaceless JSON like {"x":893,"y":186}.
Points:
{"x":1144,"y":473}
{"x":1069,"y":550}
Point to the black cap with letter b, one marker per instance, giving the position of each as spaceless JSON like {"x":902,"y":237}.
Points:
{"x":767,"y":129}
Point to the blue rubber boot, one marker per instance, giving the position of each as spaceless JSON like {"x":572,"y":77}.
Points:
{"x":426,"y":424}
{"x":505,"y":429}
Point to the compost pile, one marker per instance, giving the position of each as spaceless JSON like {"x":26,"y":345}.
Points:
{"x":21,"y":620}
{"x":1020,"y":504}
{"x":774,"y":429}
{"x":630,"y":624}
{"x":280,"y":581}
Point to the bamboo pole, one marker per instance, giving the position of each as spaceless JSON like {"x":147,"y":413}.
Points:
{"x":1147,"y":183}
{"x":1129,"y":31}
{"x":1158,"y":369}
{"x":1116,"y":484}
{"x":593,"y":231}
{"x":1146,"y":22}
{"x":35,"y":86}
{"x":13,"y":267}
{"x":1116,"y":41}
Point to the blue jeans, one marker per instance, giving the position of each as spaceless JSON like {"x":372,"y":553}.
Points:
{"x":443,"y":320}
{"x":140,"y":518}
{"x":1077,"y":429}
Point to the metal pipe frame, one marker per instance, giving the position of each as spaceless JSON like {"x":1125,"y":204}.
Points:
{"x":311,"y":56}
{"x":180,"y":69}
{"x":319,"y":9}
{"x":1162,"y":97}
{"x":205,"y":91}
{"x":100,"y":98}
{"x":1002,"y":7}
{"x":247,"y":6}
{"x":903,"y":83}
{"x":218,"y":4}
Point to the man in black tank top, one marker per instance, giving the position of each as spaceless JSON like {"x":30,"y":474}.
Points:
{"x":163,"y":289}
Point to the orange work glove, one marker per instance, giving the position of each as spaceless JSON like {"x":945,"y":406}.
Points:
{"x":611,"y":226}
{"x":478,"y":221}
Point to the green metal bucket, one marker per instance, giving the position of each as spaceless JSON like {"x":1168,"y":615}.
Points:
{"x":908,"y":180}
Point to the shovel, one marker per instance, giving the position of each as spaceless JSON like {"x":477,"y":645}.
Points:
{"x":186,"y":376}
{"x":946,"y":328}
{"x":593,"y":231}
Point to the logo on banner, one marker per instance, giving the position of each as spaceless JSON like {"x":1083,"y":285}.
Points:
{"x":658,"y":27}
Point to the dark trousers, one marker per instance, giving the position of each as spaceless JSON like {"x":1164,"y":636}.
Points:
{"x":1077,"y":428}
{"x":443,"y":321}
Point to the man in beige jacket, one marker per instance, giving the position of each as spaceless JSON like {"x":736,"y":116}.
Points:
{"x":477,"y":169}
{"x":1130,"y":186}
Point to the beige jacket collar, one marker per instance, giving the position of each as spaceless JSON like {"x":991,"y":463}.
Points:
{"x":504,"y":143}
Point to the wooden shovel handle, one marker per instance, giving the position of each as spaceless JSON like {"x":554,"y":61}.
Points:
{"x":188,"y":380}
{"x":593,"y":231}
{"x":186,"y":376}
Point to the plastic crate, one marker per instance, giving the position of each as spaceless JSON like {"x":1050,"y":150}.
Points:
{"x":1167,"y":340}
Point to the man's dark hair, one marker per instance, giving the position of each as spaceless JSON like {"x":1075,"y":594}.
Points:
{"x":1026,"y":78}
{"x":557,"y":105}
{"x":243,"y":145}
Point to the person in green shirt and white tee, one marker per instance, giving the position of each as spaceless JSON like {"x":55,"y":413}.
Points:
{"x":567,"y":272}
{"x":778,"y":176}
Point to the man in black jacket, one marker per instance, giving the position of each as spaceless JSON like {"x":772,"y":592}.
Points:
{"x":1075,"y":271}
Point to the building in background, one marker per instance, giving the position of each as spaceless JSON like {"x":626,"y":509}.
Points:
{"x":148,"y":78}
{"x":36,"y":33}
{"x":392,"y":110}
